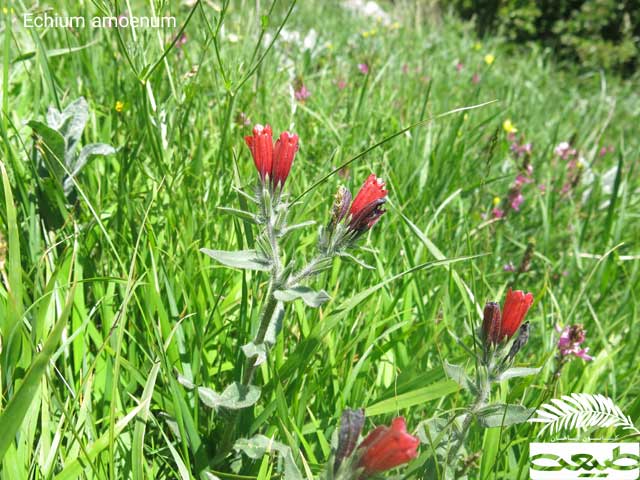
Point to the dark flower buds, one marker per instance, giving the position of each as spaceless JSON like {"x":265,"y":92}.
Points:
{"x":520,"y":341}
{"x":387,"y":447}
{"x":497,"y":328}
{"x":273,"y":163}
{"x":351,"y":424}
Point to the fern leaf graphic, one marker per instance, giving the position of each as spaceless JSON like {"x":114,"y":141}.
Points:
{"x":580,"y":411}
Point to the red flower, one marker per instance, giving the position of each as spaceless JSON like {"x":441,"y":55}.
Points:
{"x":284,"y":152}
{"x":261,"y":146}
{"x":497,"y":328}
{"x":272,"y":162}
{"x":366,"y":207}
{"x":515,"y":308}
{"x":387,"y":447}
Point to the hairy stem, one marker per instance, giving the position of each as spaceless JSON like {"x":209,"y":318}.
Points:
{"x":480,"y":401}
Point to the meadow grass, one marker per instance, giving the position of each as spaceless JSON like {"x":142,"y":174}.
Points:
{"x":108,"y":305}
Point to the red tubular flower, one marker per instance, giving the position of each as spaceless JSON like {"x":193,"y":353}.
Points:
{"x":387,"y":447}
{"x":516,"y":306}
{"x":261,"y":146}
{"x":283,"y":154}
{"x":366,"y":207}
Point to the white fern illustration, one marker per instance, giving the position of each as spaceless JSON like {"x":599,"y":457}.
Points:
{"x":581,"y":411}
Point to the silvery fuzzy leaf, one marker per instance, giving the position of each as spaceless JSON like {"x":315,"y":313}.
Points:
{"x":82,"y":159}
{"x":240,"y":214}
{"x":256,"y":447}
{"x":356,"y":260}
{"x":458,"y":375}
{"x":518,"y":372}
{"x":259,"y":352}
{"x":275,"y":325}
{"x":308,"y":295}
{"x":504,"y":415}
{"x":235,"y":397}
{"x":245,"y":259}
{"x":73,"y":120}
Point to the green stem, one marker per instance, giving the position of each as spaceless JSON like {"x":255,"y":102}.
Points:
{"x":265,"y":319}
{"x":478,"y":404}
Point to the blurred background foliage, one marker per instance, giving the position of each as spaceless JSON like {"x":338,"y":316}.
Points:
{"x":595,"y":33}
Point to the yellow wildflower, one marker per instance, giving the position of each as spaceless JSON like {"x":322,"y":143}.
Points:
{"x":489,"y":58}
{"x":119,"y":106}
{"x":508,"y":126}
{"x":496,"y":201}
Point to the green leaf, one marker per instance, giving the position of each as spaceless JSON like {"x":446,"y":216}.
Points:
{"x":74,"y":469}
{"x":244,"y":259}
{"x":14,"y":414}
{"x":518,"y":372}
{"x":308,"y":295}
{"x":240,"y":214}
{"x":256,"y":447}
{"x":414,"y":397}
{"x":252,"y":350}
{"x":275,"y":325}
{"x":458,"y":375}
{"x":51,"y":146}
{"x":82,"y":159}
{"x":137,"y":450}
{"x":356,"y":260}
{"x":236,"y":396}
{"x":503,"y":415}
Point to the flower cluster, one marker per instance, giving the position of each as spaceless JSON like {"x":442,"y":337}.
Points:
{"x":499,"y":327}
{"x":272,"y":162}
{"x":350,"y":219}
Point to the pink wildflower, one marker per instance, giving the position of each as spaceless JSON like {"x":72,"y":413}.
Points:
{"x":570,"y":341}
{"x":364,"y":68}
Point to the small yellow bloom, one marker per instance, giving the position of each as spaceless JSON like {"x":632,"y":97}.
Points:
{"x":477,"y":46}
{"x":395,"y":25}
{"x":365,"y":34}
{"x":496,"y":201}
{"x":489,"y":58}
{"x":508,"y":126}
{"x":5,"y":10}
{"x":119,"y":106}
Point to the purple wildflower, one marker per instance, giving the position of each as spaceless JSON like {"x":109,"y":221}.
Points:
{"x":570,"y":341}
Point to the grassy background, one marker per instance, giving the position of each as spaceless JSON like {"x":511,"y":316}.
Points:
{"x":122,"y":280}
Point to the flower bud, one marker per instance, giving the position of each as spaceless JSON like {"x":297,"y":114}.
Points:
{"x":519,"y":342}
{"x":283,"y":155}
{"x":491,"y":323}
{"x":261,"y":146}
{"x":351,"y":424}
{"x":340,"y":205}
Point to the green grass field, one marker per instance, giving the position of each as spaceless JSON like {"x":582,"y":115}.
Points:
{"x":110,"y":314}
